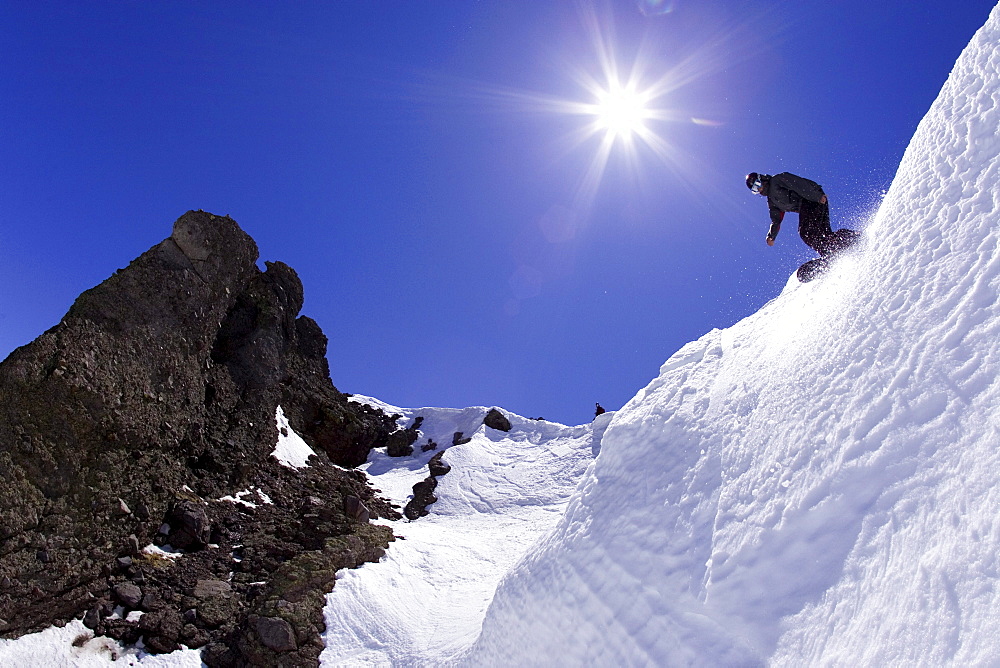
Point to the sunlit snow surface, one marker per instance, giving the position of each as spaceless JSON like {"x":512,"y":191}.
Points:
{"x":816,"y":485}
{"x":54,"y":648}
{"x":290,"y":450}
{"x":819,"y":484}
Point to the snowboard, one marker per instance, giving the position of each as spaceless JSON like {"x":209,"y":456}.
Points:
{"x":815,"y":268}
{"x":812,"y":269}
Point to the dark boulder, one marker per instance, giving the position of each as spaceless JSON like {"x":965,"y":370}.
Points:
{"x":189,"y":526}
{"x":400,"y":442}
{"x":423,"y":496}
{"x":205,"y":589}
{"x":356,"y":509}
{"x":497,"y":420}
{"x":128,"y":594}
{"x":161,"y":630}
{"x":275,"y":633}
{"x":437,"y":465}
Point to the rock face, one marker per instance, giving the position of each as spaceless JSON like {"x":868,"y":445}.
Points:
{"x":153,"y":398}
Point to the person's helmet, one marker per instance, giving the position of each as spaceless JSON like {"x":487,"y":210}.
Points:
{"x":754,"y":181}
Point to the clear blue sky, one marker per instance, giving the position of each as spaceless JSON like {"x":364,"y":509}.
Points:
{"x":416,"y":164}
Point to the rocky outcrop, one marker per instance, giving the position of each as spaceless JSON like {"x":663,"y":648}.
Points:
{"x":423,"y":491}
{"x":153,"y":398}
{"x":496,"y":420}
{"x":400,"y":442}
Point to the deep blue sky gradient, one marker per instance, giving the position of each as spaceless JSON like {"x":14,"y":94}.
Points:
{"x":390,"y":153}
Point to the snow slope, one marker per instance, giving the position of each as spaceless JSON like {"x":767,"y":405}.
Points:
{"x":425,"y":601}
{"x":819,"y":484}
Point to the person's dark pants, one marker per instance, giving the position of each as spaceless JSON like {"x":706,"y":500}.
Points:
{"x":814,"y":227}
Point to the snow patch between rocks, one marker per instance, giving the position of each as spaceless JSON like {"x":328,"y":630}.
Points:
{"x":239,"y":498}
{"x":291,"y":450}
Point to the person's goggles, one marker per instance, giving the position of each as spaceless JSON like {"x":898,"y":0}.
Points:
{"x":755,"y":188}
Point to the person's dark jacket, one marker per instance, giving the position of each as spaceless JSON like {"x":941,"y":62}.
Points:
{"x":785,"y":192}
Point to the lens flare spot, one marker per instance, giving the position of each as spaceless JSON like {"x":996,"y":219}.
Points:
{"x":655,"y":7}
{"x":559,"y":224}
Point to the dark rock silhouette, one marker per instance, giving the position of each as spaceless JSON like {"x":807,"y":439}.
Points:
{"x":400,"y":442}
{"x":423,"y":491}
{"x":423,"y":496}
{"x":127,"y":422}
{"x":437,"y":465}
{"x":497,"y":420}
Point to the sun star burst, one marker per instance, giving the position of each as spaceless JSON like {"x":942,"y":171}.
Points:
{"x":621,"y":111}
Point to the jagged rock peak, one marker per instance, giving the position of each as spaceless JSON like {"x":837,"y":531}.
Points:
{"x":200,"y":267}
{"x":153,"y":399}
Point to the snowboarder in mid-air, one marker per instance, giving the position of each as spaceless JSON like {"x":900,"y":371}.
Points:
{"x":787,"y":192}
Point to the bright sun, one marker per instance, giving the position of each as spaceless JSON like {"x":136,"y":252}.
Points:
{"x":624,"y":111}
{"x":621,"y":111}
